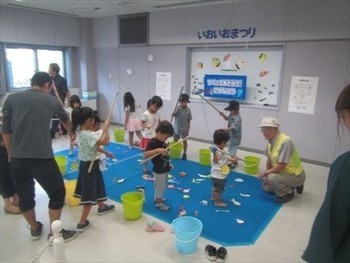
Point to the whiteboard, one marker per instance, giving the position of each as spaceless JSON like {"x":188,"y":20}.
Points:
{"x":261,"y":64}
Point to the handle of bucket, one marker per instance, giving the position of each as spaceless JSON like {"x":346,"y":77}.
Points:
{"x":250,"y":166}
{"x":187,"y":241}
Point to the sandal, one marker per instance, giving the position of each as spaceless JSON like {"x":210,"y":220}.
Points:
{"x":210,"y":251}
{"x":154,"y":227}
{"x":221,"y":255}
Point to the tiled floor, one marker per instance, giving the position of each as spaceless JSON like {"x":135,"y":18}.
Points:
{"x":113,"y":239}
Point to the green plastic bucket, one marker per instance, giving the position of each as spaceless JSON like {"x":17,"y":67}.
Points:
{"x":186,"y":230}
{"x":204,"y":157}
{"x":61,"y":161}
{"x":175,"y":151}
{"x":132,"y":205}
{"x":119,"y":135}
{"x":251,"y":164}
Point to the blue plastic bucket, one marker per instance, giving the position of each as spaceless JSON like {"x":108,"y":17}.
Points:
{"x":186,"y":230}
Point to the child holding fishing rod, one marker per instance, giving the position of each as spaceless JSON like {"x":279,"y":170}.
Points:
{"x":218,"y":161}
{"x":183,"y":117}
{"x":90,"y":186}
{"x":158,"y":152}
{"x":234,"y":128}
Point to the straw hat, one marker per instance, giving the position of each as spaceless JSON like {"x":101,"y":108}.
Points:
{"x":269,"y":122}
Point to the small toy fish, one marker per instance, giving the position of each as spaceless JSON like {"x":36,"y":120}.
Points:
{"x":239,"y":221}
{"x":204,"y":175}
{"x":204,"y":203}
{"x":235,"y":202}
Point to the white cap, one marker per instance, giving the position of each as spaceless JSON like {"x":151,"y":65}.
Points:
{"x":269,"y":122}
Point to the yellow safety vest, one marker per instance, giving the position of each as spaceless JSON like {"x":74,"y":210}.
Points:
{"x":294,"y":166}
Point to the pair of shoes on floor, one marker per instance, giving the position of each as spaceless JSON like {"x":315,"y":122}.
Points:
{"x":300,"y":189}
{"x":286,"y":198}
{"x":67,"y":235}
{"x":163,"y":207}
{"x":154,"y":227}
{"x":36,"y":233}
{"x":106,"y":209}
{"x":219,"y":254}
{"x":184,"y":156}
{"x":82,"y":227}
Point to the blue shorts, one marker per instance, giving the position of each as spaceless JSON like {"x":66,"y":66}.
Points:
{"x":182,"y":135}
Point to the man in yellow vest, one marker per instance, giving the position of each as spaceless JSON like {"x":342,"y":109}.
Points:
{"x":284,"y":170}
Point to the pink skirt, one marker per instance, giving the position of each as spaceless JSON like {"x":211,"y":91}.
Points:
{"x":133,"y":125}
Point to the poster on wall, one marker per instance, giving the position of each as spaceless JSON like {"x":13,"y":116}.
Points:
{"x":225,"y":86}
{"x":257,"y":68}
{"x":163,"y":85}
{"x":303,"y":93}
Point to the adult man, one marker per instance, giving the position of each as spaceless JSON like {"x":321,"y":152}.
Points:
{"x":26,"y":134}
{"x":284,"y":171}
{"x":60,"y":90}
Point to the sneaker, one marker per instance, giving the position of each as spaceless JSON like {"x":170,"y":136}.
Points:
{"x":67,"y":235}
{"x":210,"y":251}
{"x":300,"y":189}
{"x":106,"y":209}
{"x":82,"y":227}
{"x":163,"y":207}
{"x":184,"y":156}
{"x":221,"y":255}
{"x":36,"y":233}
{"x":286,"y":198}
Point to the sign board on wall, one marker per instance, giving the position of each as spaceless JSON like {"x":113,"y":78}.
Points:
{"x":261,"y":66}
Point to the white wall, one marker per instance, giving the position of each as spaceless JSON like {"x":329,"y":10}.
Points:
{"x":20,"y":26}
{"x":316,"y":35}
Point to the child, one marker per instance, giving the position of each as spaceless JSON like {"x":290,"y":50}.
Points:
{"x":132,"y":117}
{"x":90,"y":185}
{"x":74,"y":103}
{"x":219,"y":159}
{"x":183,"y":119}
{"x":234,"y":128}
{"x":161,"y":163}
{"x":101,"y":152}
{"x":149,"y":121}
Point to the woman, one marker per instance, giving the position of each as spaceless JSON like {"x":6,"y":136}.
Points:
{"x":330,"y":235}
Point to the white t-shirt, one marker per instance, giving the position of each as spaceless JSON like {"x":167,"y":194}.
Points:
{"x":151,"y":119}
{"x":215,"y":171}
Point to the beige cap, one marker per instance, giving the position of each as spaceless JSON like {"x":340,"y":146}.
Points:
{"x":269,"y":122}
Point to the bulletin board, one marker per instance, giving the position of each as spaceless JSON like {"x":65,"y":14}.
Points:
{"x":262,"y":66}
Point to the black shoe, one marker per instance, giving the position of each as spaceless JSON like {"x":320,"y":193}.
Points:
{"x":82,"y":227}
{"x":221,"y":255}
{"x":210,"y":251}
{"x":286,"y":198}
{"x":67,"y":235}
{"x":300,"y":189}
{"x":104,"y":210}
{"x":184,"y":156}
{"x":36,"y":233}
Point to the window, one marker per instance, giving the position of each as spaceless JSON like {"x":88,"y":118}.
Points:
{"x":23,"y":61}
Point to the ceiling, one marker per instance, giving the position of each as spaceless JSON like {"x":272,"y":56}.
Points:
{"x":103,"y":8}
